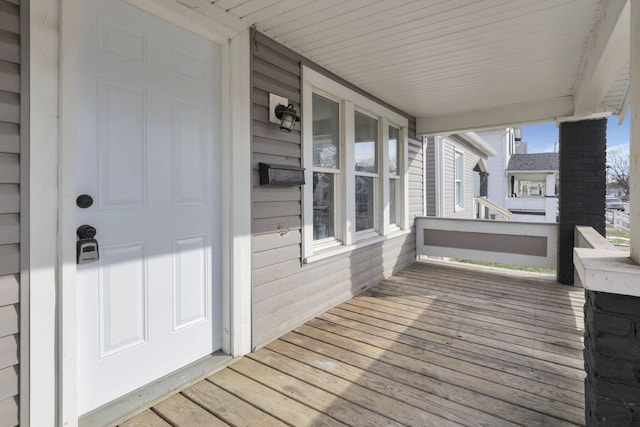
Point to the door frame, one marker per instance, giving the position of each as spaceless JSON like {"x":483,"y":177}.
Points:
{"x":52,"y":71}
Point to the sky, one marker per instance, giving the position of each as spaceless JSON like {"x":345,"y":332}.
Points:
{"x":543,"y":138}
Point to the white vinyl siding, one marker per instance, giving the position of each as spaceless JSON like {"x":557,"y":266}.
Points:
{"x":470,"y":156}
{"x":13,"y":169}
{"x":285,"y":291}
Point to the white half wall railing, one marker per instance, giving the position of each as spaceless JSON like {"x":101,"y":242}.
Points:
{"x":480,"y":203}
{"x":505,"y":242}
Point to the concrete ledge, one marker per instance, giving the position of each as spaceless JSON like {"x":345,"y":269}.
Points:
{"x":607,"y":270}
{"x":587,"y":237}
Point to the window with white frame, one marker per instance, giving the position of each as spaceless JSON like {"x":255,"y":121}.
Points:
{"x":393,"y":146}
{"x":366,"y":171}
{"x":458,"y":179}
{"x":355,"y":160}
{"x":326,"y":168}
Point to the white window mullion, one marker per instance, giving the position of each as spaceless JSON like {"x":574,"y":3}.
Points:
{"x":403,"y":171}
{"x":384,"y":212}
{"x":349,"y":181}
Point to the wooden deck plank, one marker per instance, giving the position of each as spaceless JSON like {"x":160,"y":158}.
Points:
{"x":455,"y":327}
{"x":280,"y":406}
{"x":559,"y":303}
{"x":466,"y":342}
{"x":435,"y":344}
{"x":559,"y":403}
{"x":179,"y":410}
{"x":446,"y":311}
{"x":553,"y":320}
{"x":228,"y":407}
{"x":354,"y":366}
{"x":303,"y":363}
{"x":544,"y":290}
{"x":316,"y":396}
{"x":146,"y":419}
{"x":468,"y":308}
{"x":468,"y":276}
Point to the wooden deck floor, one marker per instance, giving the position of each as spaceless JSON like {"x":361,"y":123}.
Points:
{"x":434,"y":345}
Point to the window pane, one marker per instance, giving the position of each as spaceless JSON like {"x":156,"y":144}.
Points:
{"x":459,"y":166}
{"x":394,"y":155}
{"x":323,"y":206}
{"x":326,"y":139}
{"x":366,"y":140}
{"x":459,"y":179}
{"x":393,"y":202}
{"x":364,"y":203}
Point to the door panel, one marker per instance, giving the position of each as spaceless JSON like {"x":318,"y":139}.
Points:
{"x":121,"y":146}
{"x":122,"y":298}
{"x":149,"y":153}
{"x":189,"y":281}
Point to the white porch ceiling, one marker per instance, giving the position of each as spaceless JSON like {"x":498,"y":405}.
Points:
{"x":447,"y":60}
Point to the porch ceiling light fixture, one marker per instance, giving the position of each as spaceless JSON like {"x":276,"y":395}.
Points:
{"x":288,"y":117}
{"x":282,"y":113}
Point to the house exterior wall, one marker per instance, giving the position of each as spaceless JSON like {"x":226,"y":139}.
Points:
{"x":471,"y":158}
{"x":10,"y":173}
{"x":499,"y":139}
{"x":286,"y":292}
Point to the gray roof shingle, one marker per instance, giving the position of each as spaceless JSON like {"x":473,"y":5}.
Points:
{"x":534,"y":162}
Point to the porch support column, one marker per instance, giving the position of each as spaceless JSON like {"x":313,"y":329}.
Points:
{"x":612,"y":290}
{"x":634,"y":134}
{"x":582,"y":186}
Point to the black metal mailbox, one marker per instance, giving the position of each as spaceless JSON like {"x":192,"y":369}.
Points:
{"x":280,"y":175}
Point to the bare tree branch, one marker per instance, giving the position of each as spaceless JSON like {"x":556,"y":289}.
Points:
{"x":618,"y":169}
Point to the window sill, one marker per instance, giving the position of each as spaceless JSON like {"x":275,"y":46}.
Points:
{"x":339,"y":250}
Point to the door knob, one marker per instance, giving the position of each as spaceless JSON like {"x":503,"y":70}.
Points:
{"x":86,"y":232}
{"x":84,"y":201}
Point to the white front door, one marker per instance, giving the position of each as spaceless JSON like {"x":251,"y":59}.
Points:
{"x":149,"y":156}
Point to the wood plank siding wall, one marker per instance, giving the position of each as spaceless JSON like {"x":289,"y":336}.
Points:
{"x":285,"y":292}
{"x":9,"y":211}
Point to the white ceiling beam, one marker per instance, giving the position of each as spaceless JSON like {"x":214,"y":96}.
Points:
{"x":607,"y":54}
{"x":504,"y":116}
{"x":199,"y":16}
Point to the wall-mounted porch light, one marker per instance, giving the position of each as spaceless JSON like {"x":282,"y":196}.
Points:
{"x":288,"y":117}
{"x":282,"y":113}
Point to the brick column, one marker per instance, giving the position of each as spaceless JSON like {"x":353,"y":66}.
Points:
{"x":582,"y":186}
{"x":612,"y":359}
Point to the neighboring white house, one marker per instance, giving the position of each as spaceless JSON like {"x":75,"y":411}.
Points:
{"x":532,"y":186}
{"x":453,"y":162}
{"x":524,"y":183}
